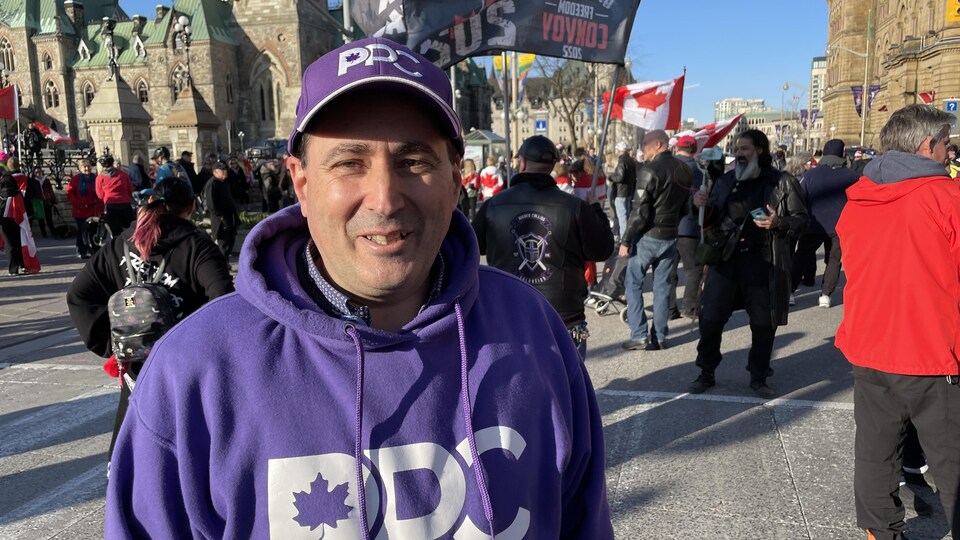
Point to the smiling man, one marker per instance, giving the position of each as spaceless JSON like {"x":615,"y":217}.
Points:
{"x":369,"y":379}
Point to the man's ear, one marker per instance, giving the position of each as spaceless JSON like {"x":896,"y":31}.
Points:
{"x":298,"y":175}
{"x":924,"y":150}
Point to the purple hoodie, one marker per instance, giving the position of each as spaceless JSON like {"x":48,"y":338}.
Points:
{"x":255,"y":416}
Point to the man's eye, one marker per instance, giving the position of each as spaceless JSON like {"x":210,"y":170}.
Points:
{"x":347,"y":164}
{"x":413,"y":163}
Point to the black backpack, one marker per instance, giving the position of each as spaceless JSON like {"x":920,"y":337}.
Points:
{"x":140,"y":314}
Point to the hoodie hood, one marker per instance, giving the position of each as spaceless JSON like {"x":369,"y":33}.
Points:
{"x":268,"y":279}
{"x":893,"y":167}
{"x":832,"y":162}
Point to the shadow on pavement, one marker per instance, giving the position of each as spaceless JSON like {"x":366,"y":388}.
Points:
{"x":56,"y":424}
{"x":28,"y":493}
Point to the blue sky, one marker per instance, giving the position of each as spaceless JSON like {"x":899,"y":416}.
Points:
{"x":731,"y":48}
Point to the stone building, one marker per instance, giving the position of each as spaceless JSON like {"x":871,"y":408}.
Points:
{"x":912,"y":49}
{"x":243,"y":62}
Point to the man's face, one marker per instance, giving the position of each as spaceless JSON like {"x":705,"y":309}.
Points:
{"x":378,"y":191}
{"x":187,"y":158}
{"x":746,"y":151}
{"x":84,"y":168}
{"x":234,"y":165}
{"x":220,"y":174}
{"x":952,"y":155}
{"x":939,"y":151}
{"x":650,"y":149}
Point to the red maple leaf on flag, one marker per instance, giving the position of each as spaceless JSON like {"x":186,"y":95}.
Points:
{"x":651,"y":99}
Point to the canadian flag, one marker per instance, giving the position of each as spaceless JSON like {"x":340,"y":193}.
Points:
{"x":928,"y":97}
{"x":51,"y":134}
{"x":713,"y":133}
{"x":650,"y":104}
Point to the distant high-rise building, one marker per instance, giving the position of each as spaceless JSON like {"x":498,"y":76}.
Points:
{"x":818,"y":79}
{"x":725,"y":108}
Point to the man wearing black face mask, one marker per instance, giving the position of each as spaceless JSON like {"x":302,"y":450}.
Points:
{"x":780,"y":160}
{"x":766,"y":207}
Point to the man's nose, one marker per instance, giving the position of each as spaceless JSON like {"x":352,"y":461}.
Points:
{"x":385,"y":188}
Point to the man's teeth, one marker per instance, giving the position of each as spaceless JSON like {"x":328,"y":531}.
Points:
{"x":385,"y":240}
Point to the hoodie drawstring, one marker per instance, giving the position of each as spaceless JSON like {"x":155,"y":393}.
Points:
{"x":357,"y":448}
{"x":468,"y":421}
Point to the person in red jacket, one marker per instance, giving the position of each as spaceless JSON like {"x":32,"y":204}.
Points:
{"x":900,"y":238}
{"x":84,"y":203}
{"x":115,"y":189}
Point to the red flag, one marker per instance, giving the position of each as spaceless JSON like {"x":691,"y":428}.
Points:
{"x":715,"y":132}
{"x":51,"y":134}
{"x":8,"y":103}
{"x":650,"y":105}
{"x":928,"y":97}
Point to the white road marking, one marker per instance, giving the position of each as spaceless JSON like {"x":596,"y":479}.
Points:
{"x":721,"y":398}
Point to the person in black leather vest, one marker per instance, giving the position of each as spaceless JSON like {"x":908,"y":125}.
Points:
{"x":662,"y":198}
{"x":545,"y":236}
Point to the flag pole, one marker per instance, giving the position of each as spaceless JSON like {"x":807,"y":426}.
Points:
{"x":16,"y":113}
{"x":603,"y":134}
{"x":506,"y":114}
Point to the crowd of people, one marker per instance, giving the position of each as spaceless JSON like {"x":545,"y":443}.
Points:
{"x":367,"y":305}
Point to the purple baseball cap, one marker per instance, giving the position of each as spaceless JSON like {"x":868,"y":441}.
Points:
{"x":374,"y":63}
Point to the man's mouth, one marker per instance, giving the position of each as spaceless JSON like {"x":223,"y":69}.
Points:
{"x":386,"y":239}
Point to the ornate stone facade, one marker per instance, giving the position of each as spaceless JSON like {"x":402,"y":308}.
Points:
{"x":914,"y":48}
{"x":245,"y":61}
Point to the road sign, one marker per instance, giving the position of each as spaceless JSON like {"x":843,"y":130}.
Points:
{"x":950,"y":105}
{"x":540,"y":126}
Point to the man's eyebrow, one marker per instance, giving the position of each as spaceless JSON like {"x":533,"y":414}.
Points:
{"x":408,"y":148}
{"x":346,"y":149}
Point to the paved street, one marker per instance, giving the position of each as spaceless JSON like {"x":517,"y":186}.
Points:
{"x":720,"y":465}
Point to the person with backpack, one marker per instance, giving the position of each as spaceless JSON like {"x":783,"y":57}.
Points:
{"x":165,"y":167}
{"x":164,"y":248}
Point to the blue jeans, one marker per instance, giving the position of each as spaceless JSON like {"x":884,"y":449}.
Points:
{"x":661,"y":255}
{"x":622,"y":207}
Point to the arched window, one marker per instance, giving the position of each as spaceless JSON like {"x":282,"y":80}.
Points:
{"x":88,"y":94}
{"x":51,"y":95}
{"x":142,"y":91}
{"x":229,"y":90}
{"x":47,"y":61}
{"x":19,"y":96}
{"x":278,"y":101}
{"x":6,"y":55}
{"x":179,"y":79}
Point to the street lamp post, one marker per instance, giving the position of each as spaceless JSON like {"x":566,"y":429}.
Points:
{"x":783,"y":91}
{"x":182,"y":31}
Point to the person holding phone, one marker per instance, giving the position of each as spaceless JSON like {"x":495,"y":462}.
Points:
{"x":766,"y":204}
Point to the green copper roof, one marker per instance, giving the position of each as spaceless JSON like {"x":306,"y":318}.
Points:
{"x":200,"y":13}
{"x":49,"y":16}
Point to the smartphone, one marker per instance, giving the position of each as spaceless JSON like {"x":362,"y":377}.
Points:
{"x":759,"y":214}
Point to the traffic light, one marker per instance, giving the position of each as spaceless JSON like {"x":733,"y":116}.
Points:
{"x":953,"y":11}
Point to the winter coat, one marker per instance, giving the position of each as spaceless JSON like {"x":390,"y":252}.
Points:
{"x":900,"y":239}
{"x":82,"y":194}
{"x":114,"y":187}
{"x":824,"y":188}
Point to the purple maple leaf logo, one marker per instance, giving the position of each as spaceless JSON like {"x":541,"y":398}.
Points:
{"x":321,"y":507}
{"x":353,"y":57}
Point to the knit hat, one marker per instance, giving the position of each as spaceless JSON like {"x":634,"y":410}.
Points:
{"x":833,"y":147}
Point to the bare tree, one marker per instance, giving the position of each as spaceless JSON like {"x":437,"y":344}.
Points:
{"x":571,"y":83}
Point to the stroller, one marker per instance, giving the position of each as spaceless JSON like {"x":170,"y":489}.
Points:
{"x":608,"y":295}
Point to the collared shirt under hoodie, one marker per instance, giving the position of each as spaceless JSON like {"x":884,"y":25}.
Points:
{"x":253,"y":418}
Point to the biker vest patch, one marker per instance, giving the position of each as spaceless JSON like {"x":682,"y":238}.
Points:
{"x":531,"y":235}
